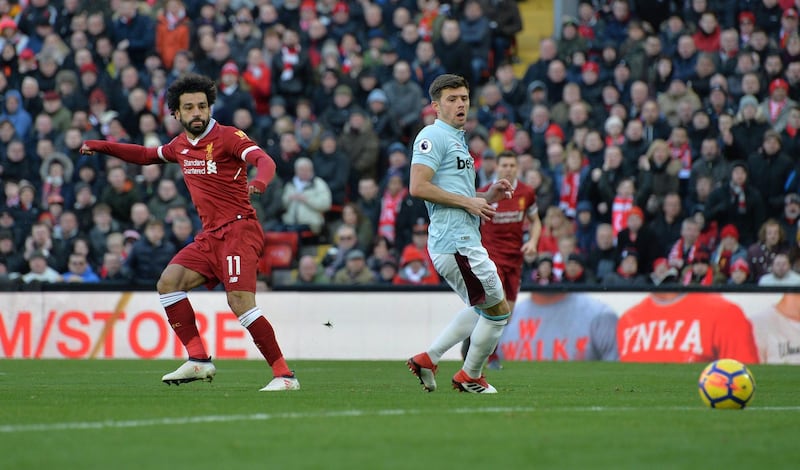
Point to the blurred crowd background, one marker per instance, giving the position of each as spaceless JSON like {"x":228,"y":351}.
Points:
{"x":660,"y":136}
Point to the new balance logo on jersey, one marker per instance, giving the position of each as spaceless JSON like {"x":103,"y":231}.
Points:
{"x":464,"y":163}
{"x":233,"y":279}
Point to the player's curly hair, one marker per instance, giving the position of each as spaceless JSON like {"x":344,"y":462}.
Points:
{"x":446,"y":81}
{"x":190,"y":83}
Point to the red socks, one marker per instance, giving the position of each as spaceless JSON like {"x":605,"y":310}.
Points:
{"x":264,"y":338}
{"x":181,"y":319}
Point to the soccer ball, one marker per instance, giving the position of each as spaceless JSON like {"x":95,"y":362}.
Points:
{"x":726,"y":384}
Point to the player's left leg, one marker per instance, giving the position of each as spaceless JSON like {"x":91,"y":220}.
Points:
{"x":172,"y":286}
{"x":243,"y":304}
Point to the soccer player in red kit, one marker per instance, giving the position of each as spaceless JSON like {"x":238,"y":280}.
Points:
{"x":503,"y":235}
{"x":213,"y":159}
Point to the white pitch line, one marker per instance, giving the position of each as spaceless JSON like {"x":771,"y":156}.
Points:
{"x":139,"y":423}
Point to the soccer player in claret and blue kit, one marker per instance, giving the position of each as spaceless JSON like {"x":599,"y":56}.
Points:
{"x":213,"y":159}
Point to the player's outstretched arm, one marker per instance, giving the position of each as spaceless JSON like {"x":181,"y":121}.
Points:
{"x":131,"y":153}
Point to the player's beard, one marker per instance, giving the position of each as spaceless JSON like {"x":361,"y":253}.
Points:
{"x":196,"y":126}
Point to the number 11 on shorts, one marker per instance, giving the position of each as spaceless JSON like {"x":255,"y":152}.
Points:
{"x":234,"y":265}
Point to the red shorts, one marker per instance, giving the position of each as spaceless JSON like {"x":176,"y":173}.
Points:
{"x":511,"y":277}
{"x":229,"y":255}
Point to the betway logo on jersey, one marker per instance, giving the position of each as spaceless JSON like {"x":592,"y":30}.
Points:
{"x":464,"y":163}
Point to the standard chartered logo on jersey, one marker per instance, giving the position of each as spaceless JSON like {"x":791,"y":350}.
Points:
{"x":201,"y":167}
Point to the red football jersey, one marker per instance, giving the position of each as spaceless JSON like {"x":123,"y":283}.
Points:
{"x":215,"y":172}
{"x":503,"y":235}
{"x":691,"y":328}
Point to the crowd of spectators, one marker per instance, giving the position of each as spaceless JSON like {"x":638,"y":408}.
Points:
{"x":660,"y":136}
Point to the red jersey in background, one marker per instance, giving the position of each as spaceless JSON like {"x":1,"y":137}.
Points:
{"x":503,"y":235}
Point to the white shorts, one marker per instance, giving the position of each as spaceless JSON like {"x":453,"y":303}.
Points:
{"x":472,"y":275}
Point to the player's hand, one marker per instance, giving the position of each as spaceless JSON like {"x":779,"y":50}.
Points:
{"x":501,"y":189}
{"x":529,"y":249}
{"x":481,"y":207}
{"x":256,"y":187}
{"x":86,"y":149}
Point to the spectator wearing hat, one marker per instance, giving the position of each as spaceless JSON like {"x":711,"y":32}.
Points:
{"x":777,"y":106}
{"x":627,"y":272}
{"x":414,"y":269}
{"x":14,"y":112}
{"x":570,"y":40}
{"x":342,"y":20}
{"x":355,"y":271}
{"x":769,"y":167}
{"x":384,"y":125}
{"x":739,"y":273}
{"x":737,"y":203}
{"x":728,"y":251}
{"x":700,"y":272}
{"x":60,"y":116}
{"x":231,"y":95}
{"x":335,"y":116}
{"x":746,"y":22}
{"x":56,"y":173}
{"x":575,"y":271}
{"x":10,"y":34}
{"x":747,"y":134}
{"x":638,"y":237}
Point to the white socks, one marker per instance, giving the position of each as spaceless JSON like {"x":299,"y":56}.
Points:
{"x":483,"y":340}
{"x":457,"y":331}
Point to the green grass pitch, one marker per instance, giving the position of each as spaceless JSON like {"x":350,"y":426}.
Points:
{"x":374,"y":415}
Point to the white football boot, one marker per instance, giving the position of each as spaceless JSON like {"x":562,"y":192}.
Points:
{"x":190,"y":371}
{"x":280,"y":384}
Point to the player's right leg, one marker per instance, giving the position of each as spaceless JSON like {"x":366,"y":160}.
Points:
{"x":175,"y":281}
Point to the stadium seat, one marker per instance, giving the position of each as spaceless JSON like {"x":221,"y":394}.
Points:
{"x":280,"y":251}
